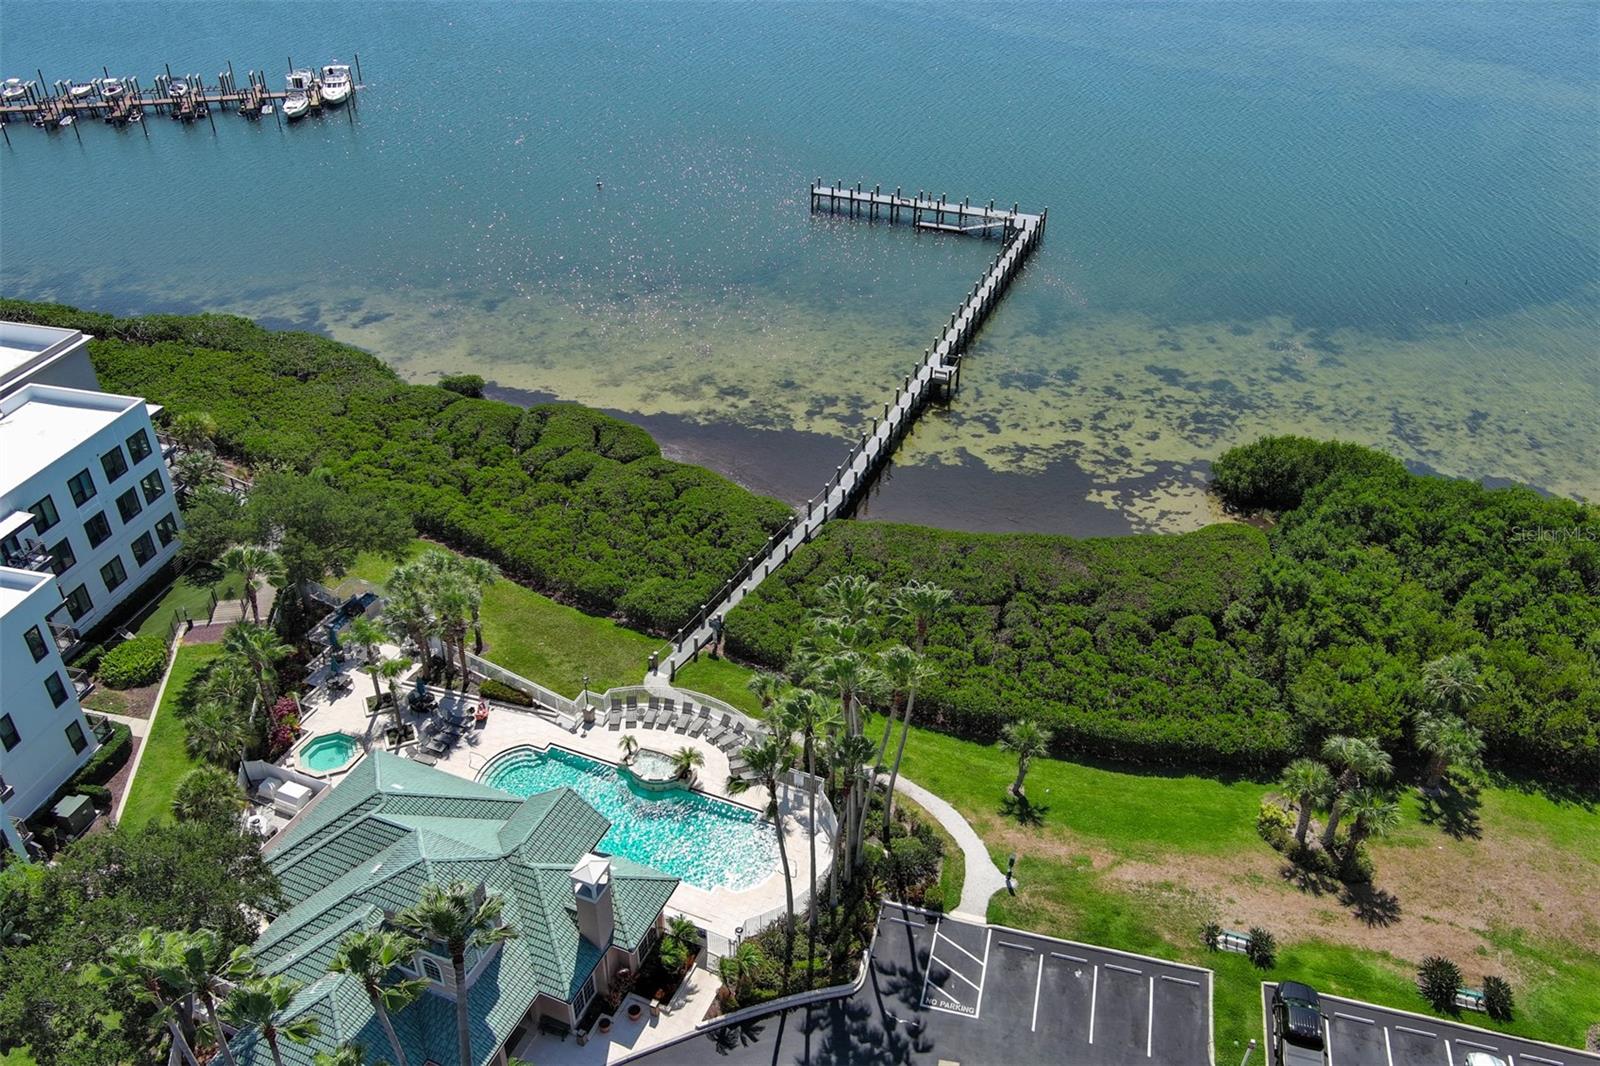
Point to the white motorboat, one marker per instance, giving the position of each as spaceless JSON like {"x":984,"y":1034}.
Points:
{"x":298,"y":101}
{"x":178,"y":88}
{"x":13,"y":89}
{"x":110,"y":88}
{"x":336,"y":85}
{"x":77,"y":90}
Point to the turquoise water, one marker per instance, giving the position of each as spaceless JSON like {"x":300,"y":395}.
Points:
{"x":704,"y":841}
{"x":1376,"y":222}
{"x":327,"y":752}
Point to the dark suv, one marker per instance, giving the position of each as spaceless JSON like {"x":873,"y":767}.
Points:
{"x":1297,"y":1026}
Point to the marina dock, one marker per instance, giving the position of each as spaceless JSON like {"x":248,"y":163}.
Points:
{"x":937,"y":373}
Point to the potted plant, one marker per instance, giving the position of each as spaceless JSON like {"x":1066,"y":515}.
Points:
{"x":635,"y":1009}
{"x":605,"y":1023}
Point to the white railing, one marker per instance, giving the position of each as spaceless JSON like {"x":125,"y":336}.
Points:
{"x":506,"y":677}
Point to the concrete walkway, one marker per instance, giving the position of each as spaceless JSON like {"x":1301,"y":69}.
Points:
{"x":139,"y":727}
{"x":984,"y":878}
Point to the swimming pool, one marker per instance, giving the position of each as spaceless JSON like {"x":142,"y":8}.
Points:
{"x":327,"y":752}
{"x":704,"y":841}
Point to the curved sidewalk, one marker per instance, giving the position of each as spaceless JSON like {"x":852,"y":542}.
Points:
{"x":984,"y":878}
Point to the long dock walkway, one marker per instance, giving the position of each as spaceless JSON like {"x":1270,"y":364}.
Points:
{"x":939,"y":370}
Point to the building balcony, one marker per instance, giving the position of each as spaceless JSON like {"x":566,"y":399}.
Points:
{"x":30,"y":555}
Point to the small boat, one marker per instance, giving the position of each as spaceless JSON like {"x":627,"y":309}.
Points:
{"x":13,"y":89}
{"x":298,"y":101}
{"x":178,"y":88}
{"x":66,"y":120}
{"x":77,"y":90}
{"x":110,"y":88}
{"x":335,"y":84}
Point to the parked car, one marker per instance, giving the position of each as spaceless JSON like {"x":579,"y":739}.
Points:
{"x":1297,"y":1034}
{"x":1483,"y":1058}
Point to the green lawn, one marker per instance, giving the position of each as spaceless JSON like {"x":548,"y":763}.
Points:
{"x":164,"y":761}
{"x":728,"y":682}
{"x":189,"y":595}
{"x":1094,"y":817}
{"x":543,"y":640}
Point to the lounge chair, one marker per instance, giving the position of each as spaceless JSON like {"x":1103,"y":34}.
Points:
{"x":697,"y":726}
{"x":680,"y":723}
{"x":655,"y":703}
{"x":424,"y":758}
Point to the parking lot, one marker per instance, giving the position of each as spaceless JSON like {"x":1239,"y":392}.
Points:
{"x":945,"y":991}
{"x":1363,"y":1034}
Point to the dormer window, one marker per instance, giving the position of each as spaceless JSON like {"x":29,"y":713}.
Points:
{"x":432,"y":970}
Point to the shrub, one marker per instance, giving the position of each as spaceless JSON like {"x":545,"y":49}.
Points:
{"x":491,"y":689}
{"x":107,"y":759}
{"x":99,"y":795}
{"x":89,"y":658}
{"x":465,"y":384}
{"x":1275,"y":825}
{"x":1261,"y":947}
{"x":1211,"y":936}
{"x":1438,"y":979}
{"x":133,"y":663}
{"x":283,"y":726}
{"x":1274,"y":473}
{"x":1497,"y":998}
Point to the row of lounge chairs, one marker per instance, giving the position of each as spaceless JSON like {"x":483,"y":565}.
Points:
{"x":726,"y":731}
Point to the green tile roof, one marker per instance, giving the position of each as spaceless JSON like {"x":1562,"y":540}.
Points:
{"x":367,"y":848}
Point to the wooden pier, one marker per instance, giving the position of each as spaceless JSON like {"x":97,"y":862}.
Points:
{"x":121,"y":101}
{"x":938,"y":372}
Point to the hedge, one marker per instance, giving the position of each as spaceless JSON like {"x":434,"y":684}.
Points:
{"x":491,"y":689}
{"x":133,"y":663}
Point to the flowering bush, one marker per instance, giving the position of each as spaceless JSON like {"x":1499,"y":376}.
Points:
{"x":283,"y":726}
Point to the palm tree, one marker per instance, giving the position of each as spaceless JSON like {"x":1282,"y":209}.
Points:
{"x":907,"y":671}
{"x":190,"y":973}
{"x":920,"y":604}
{"x":685,"y":760}
{"x":458,"y":916}
{"x":260,"y":1002}
{"x":194,"y":429}
{"x":1372,"y":813}
{"x":1027,"y":739}
{"x":253,"y":564}
{"x":804,"y":712}
{"x":769,"y":760}
{"x":368,"y":635}
{"x":452,"y":606}
{"x":629,"y":745}
{"x":406,"y":613}
{"x":370,"y":956}
{"x":681,"y":939}
{"x":1311,"y":785}
{"x":390,"y":671}
{"x":343,"y":1055}
{"x":1450,"y":683}
{"x":741,"y":966}
{"x":852,"y":755}
{"x":215,"y":732}
{"x":1448,"y":741}
{"x":208,"y":794}
{"x":849,"y":598}
{"x":1357,"y":761}
{"x":481,"y":573}
{"x":765,"y":687}
{"x":136,"y":964}
{"x":260,"y":647}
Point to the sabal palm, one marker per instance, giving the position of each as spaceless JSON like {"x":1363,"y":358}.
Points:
{"x":367,"y":635}
{"x":1450,"y":683}
{"x":741,"y":965}
{"x":1311,"y":785}
{"x":260,"y":1003}
{"x":906,"y":672}
{"x":191,"y":972}
{"x":804,"y":712}
{"x":681,"y":939}
{"x":391,"y":671}
{"x":208,"y":794}
{"x":1356,"y":761}
{"x":629,"y":745}
{"x":1372,"y":813}
{"x":343,"y":1055}
{"x":260,"y":647}
{"x":254,"y":564}
{"x":194,"y":429}
{"x":686,"y":759}
{"x":459,"y":917}
{"x":1027,"y":740}
{"x":850,"y":598}
{"x":482,"y":574}
{"x":136,"y":963}
{"x":769,"y":760}
{"x":848,"y":674}
{"x":371,"y":956}
{"x":852,"y":756}
{"x":406,"y":612}
{"x":918,"y":604}
{"x":765,"y":687}
{"x":215,"y":732}
{"x":453,"y":606}
{"x":1448,"y":741}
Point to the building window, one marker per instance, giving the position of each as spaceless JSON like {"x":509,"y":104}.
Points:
{"x":79,"y":603}
{"x":139,"y":445}
{"x":144,"y":549}
{"x":10,"y":548}
{"x":114,"y":464}
{"x":45,"y":514}
{"x":97,"y":529}
{"x":585,"y":994}
{"x":8,"y":732}
{"x":114,"y":573}
{"x":76,"y":738}
{"x":58,"y":691}
{"x":36,"y":645}
{"x":430,"y":969}
{"x":153,"y":487}
{"x":167,"y":528}
{"x":62,"y":557}
{"x":81,"y":485}
{"x":128,"y":505}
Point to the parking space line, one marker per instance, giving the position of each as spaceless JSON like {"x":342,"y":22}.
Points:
{"x":1448,"y":1054}
{"x":905,"y":921}
{"x":957,"y":973}
{"x":1124,"y":969}
{"x":1528,"y":1057}
{"x":1327,"y":1028}
{"x":1180,"y":980}
{"x":1387,"y":1053}
{"x":937,"y":936}
{"x":1150,"y":1020}
{"x":1424,"y":1032}
{"x":1014,"y":944}
{"x":1037,"y":982}
{"x":1094,"y":993}
{"x":1074,"y":958}
{"x":1474,"y":1043}
{"x":984,"y":976}
{"x":1353,"y":1017}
